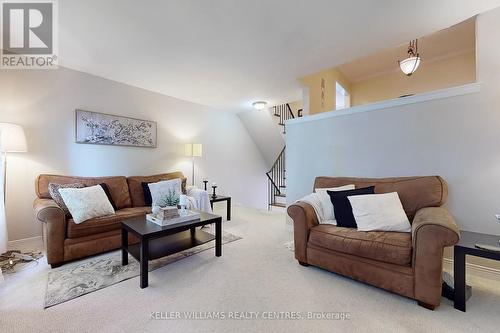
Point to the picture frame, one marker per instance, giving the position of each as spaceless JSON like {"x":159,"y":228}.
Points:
{"x":108,"y":129}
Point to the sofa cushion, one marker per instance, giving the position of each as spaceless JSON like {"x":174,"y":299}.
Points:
{"x":415,"y":192}
{"x":86,"y":203}
{"x":388,"y":247}
{"x":379,"y":212}
{"x":104,"y":224}
{"x":118,"y":186}
{"x":56,"y":196}
{"x":106,"y":190}
{"x":342,"y":205}
{"x":135,"y":185}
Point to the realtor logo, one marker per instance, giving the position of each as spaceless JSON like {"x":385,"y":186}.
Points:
{"x":29,"y":39}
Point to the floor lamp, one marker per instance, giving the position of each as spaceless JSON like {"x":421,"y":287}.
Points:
{"x":12,"y":140}
{"x":193,"y":150}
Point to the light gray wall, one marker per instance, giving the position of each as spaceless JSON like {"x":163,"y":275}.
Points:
{"x":266,"y":133}
{"x":44,"y":102}
{"x":457,"y":138}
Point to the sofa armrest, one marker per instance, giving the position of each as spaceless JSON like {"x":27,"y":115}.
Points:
{"x":304,"y":218}
{"x":433,"y":229}
{"x":47,"y":210}
{"x":54,"y":228}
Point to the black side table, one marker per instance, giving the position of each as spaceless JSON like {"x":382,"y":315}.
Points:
{"x":467,"y":246}
{"x":219,"y":198}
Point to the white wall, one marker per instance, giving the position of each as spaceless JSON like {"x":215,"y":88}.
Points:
{"x":44,"y":102}
{"x":266,"y":133}
{"x":457,"y":138}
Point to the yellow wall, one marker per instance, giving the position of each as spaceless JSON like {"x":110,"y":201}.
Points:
{"x":449,"y":72}
{"x":313,"y":81}
{"x":432,"y":75}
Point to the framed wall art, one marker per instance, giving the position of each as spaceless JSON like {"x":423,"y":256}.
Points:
{"x":106,"y":129}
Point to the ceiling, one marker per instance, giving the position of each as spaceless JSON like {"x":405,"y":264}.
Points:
{"x":455,"y":40}
{"x":229,"y":53}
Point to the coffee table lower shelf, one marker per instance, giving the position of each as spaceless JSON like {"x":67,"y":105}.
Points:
{"x":167,"y":245}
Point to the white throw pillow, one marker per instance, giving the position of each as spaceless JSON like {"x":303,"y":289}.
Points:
{"x":326,"y":202}
{"x":86,"y":203}
{"x":381,"y":212}
{"x":161,"y":189}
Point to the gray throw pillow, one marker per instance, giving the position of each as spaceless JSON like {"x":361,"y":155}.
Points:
{"x":56,"y":196}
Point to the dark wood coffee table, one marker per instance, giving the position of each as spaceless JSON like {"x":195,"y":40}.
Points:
{"x":467,"y":246}
{"x":157,"y":241}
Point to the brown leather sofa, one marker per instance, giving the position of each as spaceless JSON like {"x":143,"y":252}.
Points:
{"x":65,"y":240}
{"x":409,"y":264}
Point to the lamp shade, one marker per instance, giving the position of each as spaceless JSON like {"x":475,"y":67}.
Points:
{"x":193,"y":149}
{"x":12,"y":138}
{"x":197,"y":150}
{"x":409,"y":65}
{"x":188,"y":149}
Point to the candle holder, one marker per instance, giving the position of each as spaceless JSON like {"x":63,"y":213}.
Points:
{"x":205,"y":182}
{"x":214,"y":195}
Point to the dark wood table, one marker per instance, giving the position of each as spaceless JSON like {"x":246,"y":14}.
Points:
{"x":160,"y":241}
{"x":467,"y":246}
{"x":219,"y":198}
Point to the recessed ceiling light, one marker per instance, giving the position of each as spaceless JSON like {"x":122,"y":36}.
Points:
{"x":259,"y":105}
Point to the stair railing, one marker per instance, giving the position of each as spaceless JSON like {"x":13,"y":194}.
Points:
{"x":284,"y":112}
{"x":276,"y":178}
{"x":277,"y":175}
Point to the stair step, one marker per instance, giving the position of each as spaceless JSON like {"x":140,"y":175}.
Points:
{"x":282,"y":124}
{"x":279,"y":199}
{"x":277,"y":115}
{"x":278,"y":205}
{"x":283,"y":195}
{"x":282,"y":186}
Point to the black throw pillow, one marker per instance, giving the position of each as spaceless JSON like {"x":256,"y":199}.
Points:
{"x":342,"y":206}
{"x":148,"y":200}
{"x":108,"y":194}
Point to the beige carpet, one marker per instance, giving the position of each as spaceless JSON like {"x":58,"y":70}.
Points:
{"x":257,"y":273}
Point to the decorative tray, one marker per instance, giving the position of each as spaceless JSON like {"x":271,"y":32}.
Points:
{"x":188,"y":215}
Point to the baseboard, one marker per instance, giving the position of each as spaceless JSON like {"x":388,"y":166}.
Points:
{"x":477,"y":270}
{"x":19,"y":242}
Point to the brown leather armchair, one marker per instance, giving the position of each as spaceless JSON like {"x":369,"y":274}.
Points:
{"x":409,"y":264}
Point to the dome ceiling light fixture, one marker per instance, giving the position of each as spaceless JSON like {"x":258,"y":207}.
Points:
{"x":259,"y":105}
{"x":410,"y":64}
